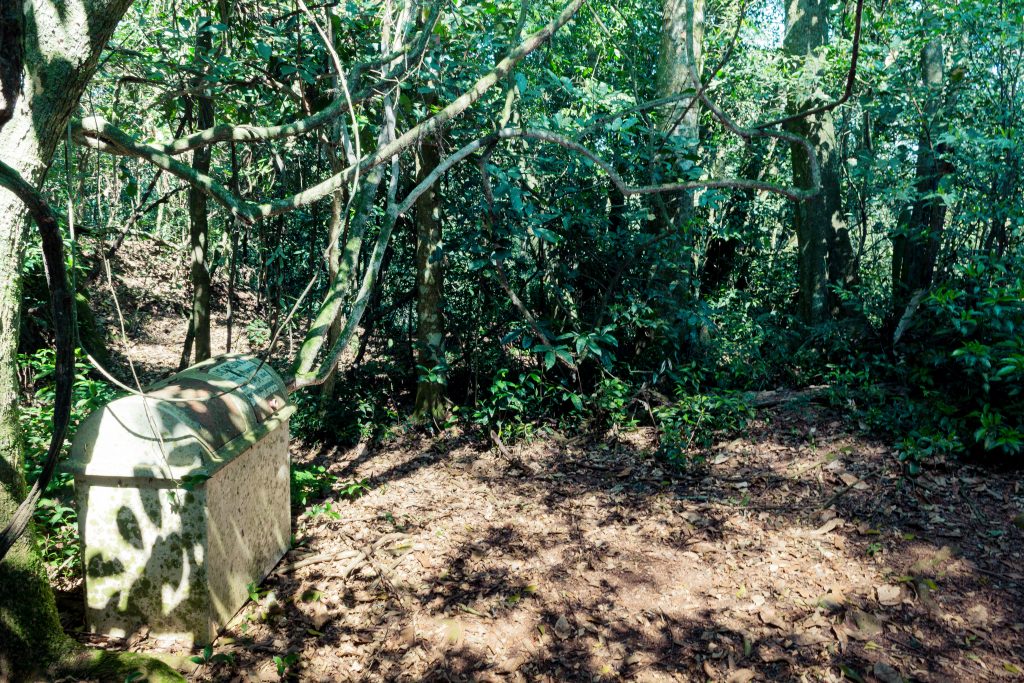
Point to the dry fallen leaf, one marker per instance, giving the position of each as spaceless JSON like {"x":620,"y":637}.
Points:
{"x":741,"y":676}
{"x":769,"y":617}
{"x":865,"y":625}
{"x":562,"y":628}
{"x":773,"y":652}
{"x":840,"y":632}
{"x":319,"y":615}
{"x":934,"y":565}
{"x":513,"y":662}
{"x":832,"y":601}
{"x":828,"y":526}
{"x":888,"y":594}
{"x":979,"y":616}
{"x":924,"y":594}
{"x":853,"y":481}
{"x":454,"y":633}
{"x":886,"y":674}
{"x":810,"y":637}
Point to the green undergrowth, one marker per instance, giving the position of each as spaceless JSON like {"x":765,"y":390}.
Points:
{"x":56,"y":516}
{"x":953,"y":385}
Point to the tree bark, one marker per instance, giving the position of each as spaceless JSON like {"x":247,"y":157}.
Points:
{"x":825,"y":254}
{"x":62,"y":47}
{"x":11,"y":57}
{"x":723,"y":252}
{"x":199,"y":224}
{"x":680,"y":55}
{"x":430,"y":352}
{"x":916,"y":244}
{"x":334,"y":239}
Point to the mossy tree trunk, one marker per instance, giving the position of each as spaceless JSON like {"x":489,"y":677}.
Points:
{"x":680,"y":58}
{"x":825,"y":255}
{"x":680,"y":55}
{"x":199,"y":221}
{"x":430,"y":358}
{"x":62,"y":44}
{"x":915,"y":247}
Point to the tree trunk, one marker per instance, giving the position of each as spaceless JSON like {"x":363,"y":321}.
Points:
{"x":825,"y":257}
{"x":199,"y":225}
{"x":723,"y":252}
{"x":61,"y":50}
{"x":916,"y":245}
{"x":430,"y":355}
{"x":11,"y":58}
{"x":334,"y":239}
{"x":234,"y":227}
{"x":680,"y":55}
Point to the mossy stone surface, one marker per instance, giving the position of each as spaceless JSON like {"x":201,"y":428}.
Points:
{"x":183,"y":503}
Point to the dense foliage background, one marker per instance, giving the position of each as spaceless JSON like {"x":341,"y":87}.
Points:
{"x":563,"y":303}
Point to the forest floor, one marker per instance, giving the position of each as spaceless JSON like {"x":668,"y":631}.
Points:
{"x":793,"y":555}
{"x":797,"y":551}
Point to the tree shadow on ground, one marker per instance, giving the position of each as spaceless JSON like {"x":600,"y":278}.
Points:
{"x":792,"y":553}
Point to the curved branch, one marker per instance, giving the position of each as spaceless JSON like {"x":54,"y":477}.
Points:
{"x":99,"y":134}
{"x":343,"y":103}
{"x":431,"y":125}
{"x":102,"y":135}
{"x":305,"y":377}
{"x":64,"y":330}
{"x":794,"y":193}
{"x":851,"y":77}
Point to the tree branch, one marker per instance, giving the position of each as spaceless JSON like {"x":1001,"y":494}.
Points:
{"x":63,"y":310}
{"x":851,"y":78}
{"x":100,"y":134}
{"x":226,"y":132}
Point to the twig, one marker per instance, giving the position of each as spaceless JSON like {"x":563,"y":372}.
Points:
{"x":316,"y":559}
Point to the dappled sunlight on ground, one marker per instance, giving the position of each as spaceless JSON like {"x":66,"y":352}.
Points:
{"x":794,"y":553}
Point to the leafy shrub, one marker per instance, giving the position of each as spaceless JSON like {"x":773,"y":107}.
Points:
{"x":692,"y":424}
{"x":923,"y":426}
{"x":310,"y":482}
{"x":612,"y":400}
{"x":359,"y":411}
{"x":511,"y":402}
{"x":314,"y":481}
{"x":55,"y":517}
{"x":961,"y":367}
{"x":969,"y":352}
{"x":258,"y":333}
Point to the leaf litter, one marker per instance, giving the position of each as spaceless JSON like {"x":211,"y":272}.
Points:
{"x":569,"y":571}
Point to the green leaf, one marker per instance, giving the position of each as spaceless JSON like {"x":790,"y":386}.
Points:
{"x":851,"y":673}
{"x":546,"y":235}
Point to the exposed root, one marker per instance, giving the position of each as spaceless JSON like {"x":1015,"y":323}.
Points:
{"x":103,"y":665}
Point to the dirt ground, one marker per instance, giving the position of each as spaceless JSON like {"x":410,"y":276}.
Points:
{"x":797,"y":552}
